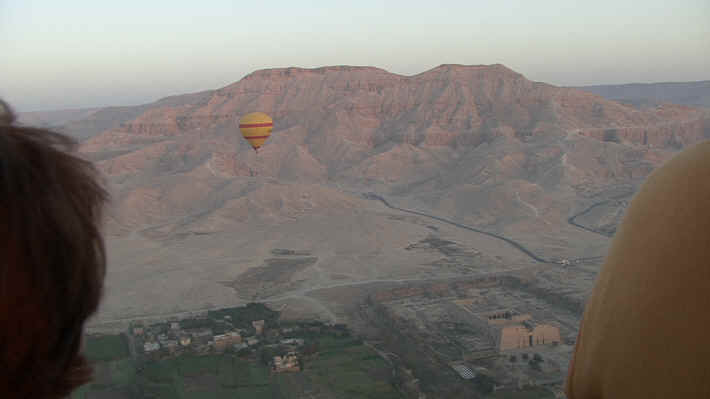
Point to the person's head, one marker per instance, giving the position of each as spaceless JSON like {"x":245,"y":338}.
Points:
{"x":52,"y":260}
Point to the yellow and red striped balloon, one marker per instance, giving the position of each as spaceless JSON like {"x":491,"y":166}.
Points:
{"x":256,"y":128}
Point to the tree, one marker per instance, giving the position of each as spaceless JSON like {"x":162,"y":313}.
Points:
{"x":535,"y":362}
{"x":310,"y":348}
{"x":525,"y":356}
{"x":513,"y":359}
{"x":267,"y":354}
{"x":484,"y":383}
{"x":535,"y":365}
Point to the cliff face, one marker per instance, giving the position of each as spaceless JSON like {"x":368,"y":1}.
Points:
{"x":481,"y":143}
{"x":366,"y":108}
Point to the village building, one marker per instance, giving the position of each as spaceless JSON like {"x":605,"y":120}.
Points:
{"x":174,"y":326}
{"x":170,"y":345}
{"x":235,"y":337}
{"x":287,"y":330}
{"x":292,"y":341}
{"x":258,"y":326}
{"x":200,"y":336}
{"x":151,"y":346}
{"x":224,"y":341}
{"x":252,"y":341}
{"x":288,"y":363}
{"x":220,"y":342}
{"x":200,"y":332}
{"x":185,"y":340}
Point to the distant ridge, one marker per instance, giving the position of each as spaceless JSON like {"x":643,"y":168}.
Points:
{"x":54,"y":117}
{"x":695,"y":94}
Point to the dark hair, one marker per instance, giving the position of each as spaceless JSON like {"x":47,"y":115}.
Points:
{"x":52,"y":260}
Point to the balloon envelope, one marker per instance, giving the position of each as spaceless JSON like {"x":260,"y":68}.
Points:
{"x":256,"y":128}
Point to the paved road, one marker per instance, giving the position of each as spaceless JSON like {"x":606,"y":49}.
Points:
{"x":520,"y":247}
{"x":572,"y":219}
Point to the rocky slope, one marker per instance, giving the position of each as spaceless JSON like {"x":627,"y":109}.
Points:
{"x":479,"y":144}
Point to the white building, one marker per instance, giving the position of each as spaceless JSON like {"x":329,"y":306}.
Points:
{"x":292,"y":341}
{"x":151,"y":346}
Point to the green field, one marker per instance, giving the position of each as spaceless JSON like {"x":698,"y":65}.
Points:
{"x":111,"y":375}
{"x":343,"y":367}
{"x":529,"y":393}
{"x":207,"y":377}
{"x":221,"y":376}
{"x":334,"y":365}
{"x":346,"y":368}
{"x":101,"y":348}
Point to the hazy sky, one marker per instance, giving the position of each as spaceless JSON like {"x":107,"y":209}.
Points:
{"x":65,"y":54}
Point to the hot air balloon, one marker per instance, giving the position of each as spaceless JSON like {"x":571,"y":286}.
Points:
{"x":256,"y":128}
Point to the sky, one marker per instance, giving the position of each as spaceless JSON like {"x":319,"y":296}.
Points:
{"x":87,"y":53}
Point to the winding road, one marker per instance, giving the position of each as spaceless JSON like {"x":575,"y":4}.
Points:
{"x":517,"y":245}
{"x":520,"y":247}
{"x":571,"y":220}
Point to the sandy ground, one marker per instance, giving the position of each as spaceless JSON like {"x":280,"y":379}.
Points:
{"x":355,"y":246}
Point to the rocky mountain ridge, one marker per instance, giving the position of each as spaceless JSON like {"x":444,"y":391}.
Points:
{"x":481,"y":145}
